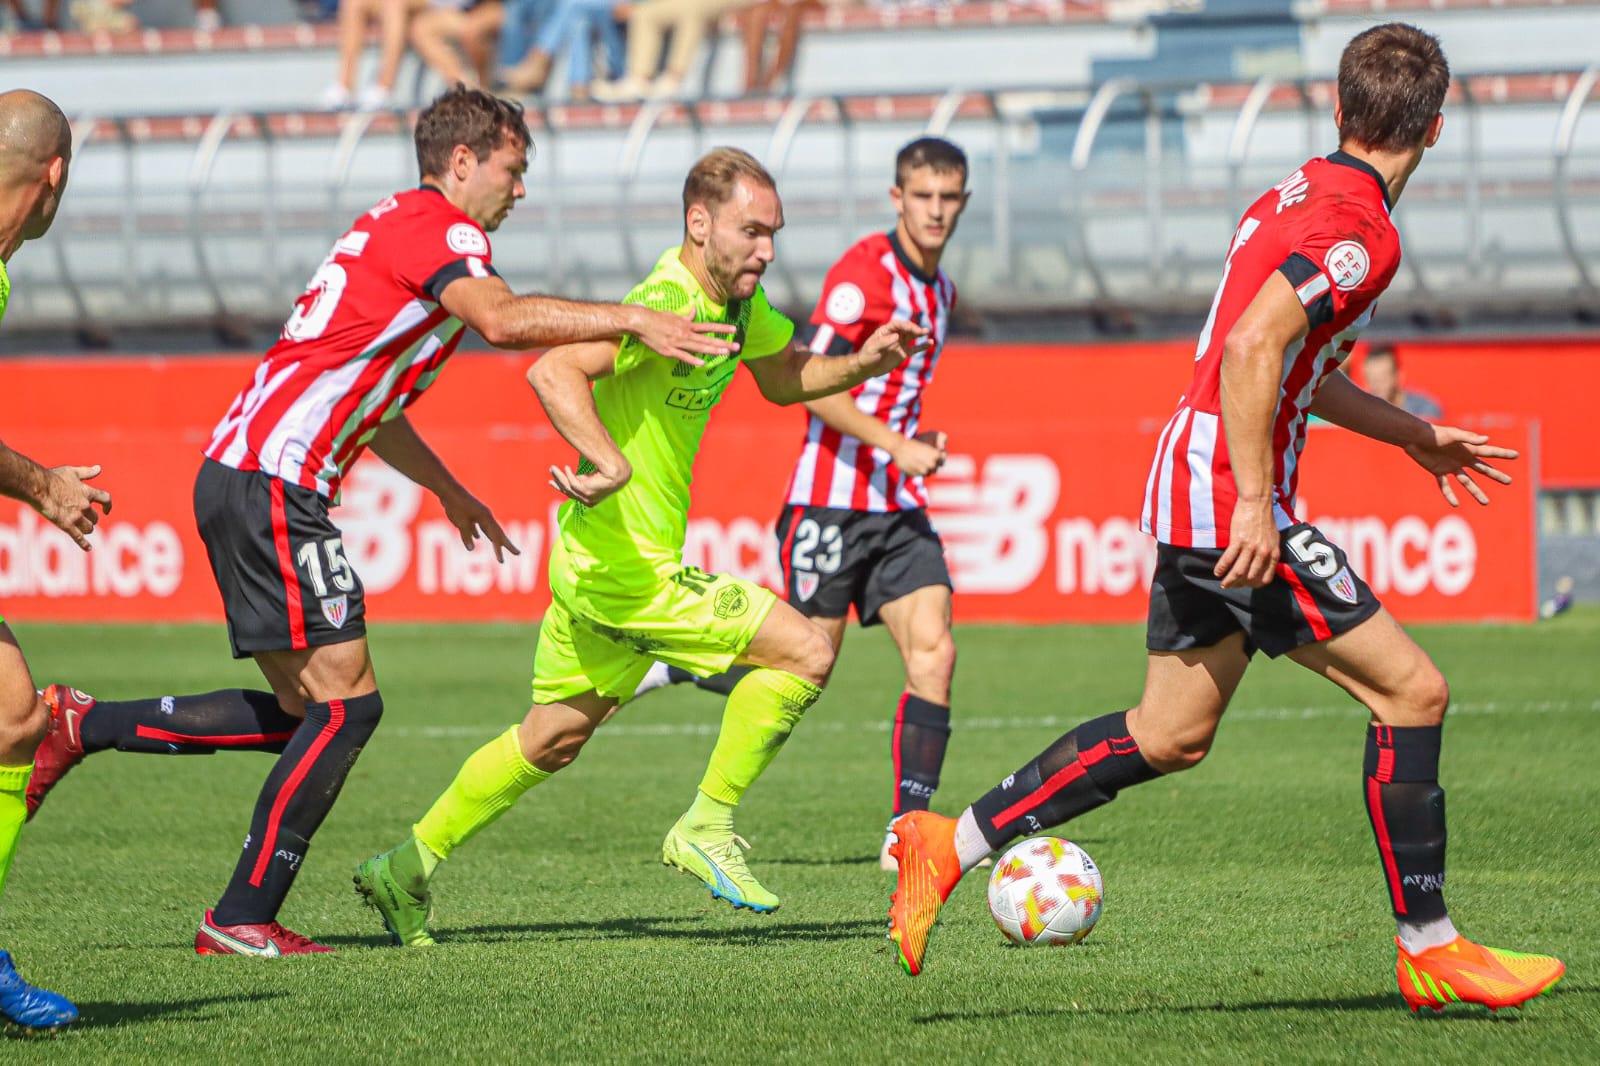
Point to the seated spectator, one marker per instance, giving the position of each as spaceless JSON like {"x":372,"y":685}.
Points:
{"x":649,"y":22}
{"x":754,"y":21}
{"x":113,"y":16}
{"x":450,"y":30}
{"x":49,"y":17}
{"x":570,"y":27}
{"x":1380,"y":374}
{"x":394,"y":19}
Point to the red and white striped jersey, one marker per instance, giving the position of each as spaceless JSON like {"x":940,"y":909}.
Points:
{"x":1326,"y":228}
{"x":365,"y":339}
{"x":871,"y":283}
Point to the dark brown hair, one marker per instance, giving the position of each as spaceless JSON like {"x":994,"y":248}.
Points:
{"x":936,"y":153}
{"x":712,"y":179}
{"x":1392,"y":81}
{"x":479,"y":120}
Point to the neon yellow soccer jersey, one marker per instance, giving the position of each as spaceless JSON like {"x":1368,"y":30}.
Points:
{"x":5,"y":290}
{"x":656,"y":410}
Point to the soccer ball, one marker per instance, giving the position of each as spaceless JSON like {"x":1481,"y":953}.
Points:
{"x":1046,"y":890}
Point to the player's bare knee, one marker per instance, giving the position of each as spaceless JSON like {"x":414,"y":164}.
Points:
{"x":814,"y":655}
{"x":930,"y":669}
{"x":1172,"y":750}
{"x":1427,"y":697}
{"x":23,"y":726}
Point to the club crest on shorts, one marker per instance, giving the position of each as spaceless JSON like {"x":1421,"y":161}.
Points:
{"x":805,"y":584}
{"x":731,"y":602}
{"x":336,"y":609}
{"x":1343,"y":585}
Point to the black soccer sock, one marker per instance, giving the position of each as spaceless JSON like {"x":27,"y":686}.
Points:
{"x":722,"y":684}
{"x":235,"y":719}
{"x":917,"y":745}
{"x":296,"y":798}
{"x":1081,"y":771}
{"x":1406,"y":807}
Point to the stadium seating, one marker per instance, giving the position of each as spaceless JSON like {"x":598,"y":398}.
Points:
{"x":1113,"y":144}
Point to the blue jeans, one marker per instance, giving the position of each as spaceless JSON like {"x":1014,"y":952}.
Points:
{"x":571,"y":27}
{"x":522,"y":21}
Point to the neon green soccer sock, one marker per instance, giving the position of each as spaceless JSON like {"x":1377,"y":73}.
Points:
{"x":13,"y":812}
{"x":762,"y":710}
{"x":492,"y":779}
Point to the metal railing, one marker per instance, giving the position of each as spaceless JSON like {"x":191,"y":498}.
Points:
{"x":1052,"y":176}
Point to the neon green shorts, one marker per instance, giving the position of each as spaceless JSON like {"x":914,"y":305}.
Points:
{"x":601,"y":637}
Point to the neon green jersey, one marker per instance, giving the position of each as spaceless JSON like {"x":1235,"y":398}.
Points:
{"x":5,"y":289}
{"x":656,"y":410}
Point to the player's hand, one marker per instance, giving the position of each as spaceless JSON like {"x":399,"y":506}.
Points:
{"x":1251,"y":558}
{"x":472,"y":519}
{"x":69,"y":504}
{"x":893,"y":343}
{"x":921,"y":455}
{"x":1455,"y":455}
{"x":589,"y":489}
{"x":680,"y":337}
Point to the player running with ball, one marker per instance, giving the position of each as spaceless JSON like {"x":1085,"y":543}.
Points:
{"x":621,"y":596}
{"x":1236,"y":571}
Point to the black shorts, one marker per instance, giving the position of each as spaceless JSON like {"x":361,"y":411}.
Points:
{"x":1315,"y":595}
{"x":278,"y":560}
{"x":834,"y":557}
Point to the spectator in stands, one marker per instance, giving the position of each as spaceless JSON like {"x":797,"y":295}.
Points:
{"x":649,"y":22}
{"x":394,"y":19}
{"x":754,"y":21}
{"x":48,"y":18}
{"x":1380,"y":374}
{"x":450,"y":31}
{"x":397,"y":20}
{"x":538,"y":31}
{"x":113,"y":16}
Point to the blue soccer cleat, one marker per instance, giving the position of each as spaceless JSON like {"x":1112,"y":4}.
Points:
{"x":30,"y":1007}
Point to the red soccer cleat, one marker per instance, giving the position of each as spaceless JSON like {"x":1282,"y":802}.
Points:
{"x":1464,"y":972}
{"x":267,"y":940}
{"x":62,"y":747}
{"x":925,"y":850}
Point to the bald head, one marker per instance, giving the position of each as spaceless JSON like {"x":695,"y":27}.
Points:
{"x":35,"y":149}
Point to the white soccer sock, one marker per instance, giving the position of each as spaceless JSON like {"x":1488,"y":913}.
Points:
{"x":971,"y":847}
{"x":1420,"y":936}
{"x":654,"y":678}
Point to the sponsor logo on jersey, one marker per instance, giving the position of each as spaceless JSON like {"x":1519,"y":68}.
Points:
{"x":1343,"y":585}
{"x":805,"y":584}
{"x":1347,"y":263}
{"x":336,"y":609}
{"x":731,"y":602}
{"x":466,"y":239}
{"x":846,"y":304}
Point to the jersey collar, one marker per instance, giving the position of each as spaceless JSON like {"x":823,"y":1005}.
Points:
{"x":905,"y":260}
{"x":1345,"y":159}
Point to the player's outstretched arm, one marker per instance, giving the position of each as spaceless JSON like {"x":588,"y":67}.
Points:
{"x":506,"y":320}
{"x":563,"y":378}
{"x":797,"y":374}
{"x":396,"y":442}
{"x":1449,"y":453}
{"x":917,"y":456}
{"x":61,"y":495}
{"x":1251,"y":372}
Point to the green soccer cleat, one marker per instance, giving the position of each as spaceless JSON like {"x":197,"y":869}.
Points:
{"x":717,"y":859}
{"x":404,"y":915}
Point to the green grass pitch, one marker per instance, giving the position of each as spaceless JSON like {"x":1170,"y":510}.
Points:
{"x":1246,"y":919}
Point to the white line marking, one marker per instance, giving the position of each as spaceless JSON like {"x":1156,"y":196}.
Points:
{"x":1245,"y":714}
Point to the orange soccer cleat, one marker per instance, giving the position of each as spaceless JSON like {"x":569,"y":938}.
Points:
{"x":1464,"y":972}
{"x":925,"y":849}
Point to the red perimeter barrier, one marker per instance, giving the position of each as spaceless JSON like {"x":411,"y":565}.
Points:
{"x":1050,"y":447}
